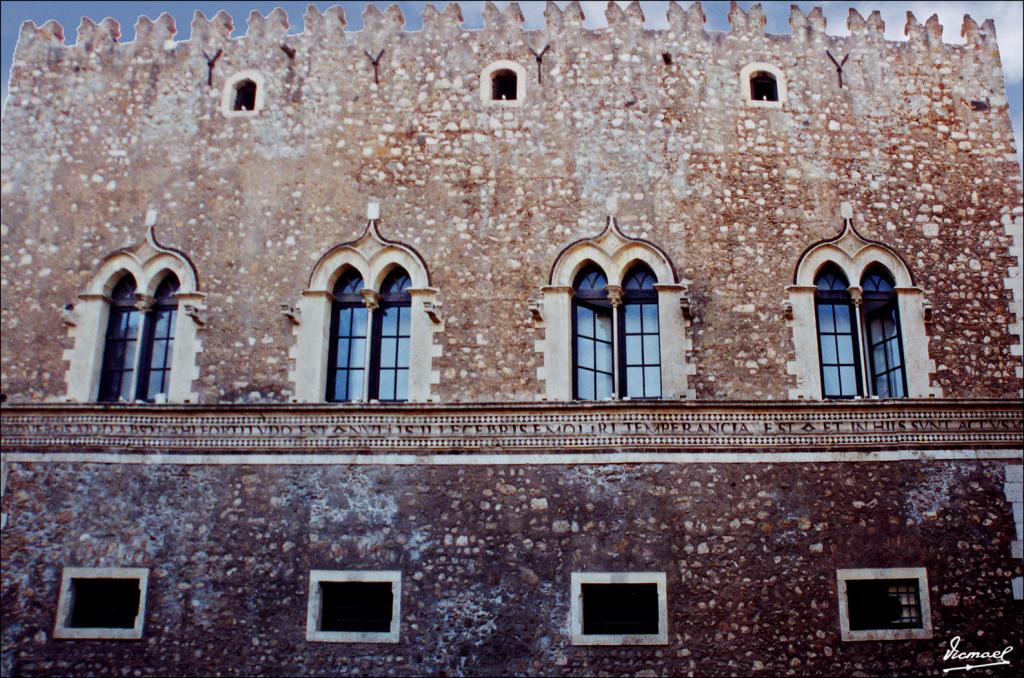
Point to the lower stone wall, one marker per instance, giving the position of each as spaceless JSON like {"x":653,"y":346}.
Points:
{"x":750,"y":552}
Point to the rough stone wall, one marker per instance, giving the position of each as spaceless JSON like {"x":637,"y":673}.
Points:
{"x":750,"y":552}
{"x":96,"y":134}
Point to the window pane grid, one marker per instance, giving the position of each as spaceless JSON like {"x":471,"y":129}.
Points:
{"x":837,"y":350}
{"x":161,"y":350}
{"x":594,"y":364}
{"x":347,"y":352}
{"x":119,"y":354}
{"x":642,"y":351}
{"x":884,"y":352}
{"x":393,"y":370}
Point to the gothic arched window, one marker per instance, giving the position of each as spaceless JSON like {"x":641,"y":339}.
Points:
{"x":347,"y":352}
{"x":119,"y":348}
{"x":641,"y":353}
{"x":882,"y":329}
{"x":593,"y":362}
{"x":837,"y":335}
{"x":158,"y":341}
{"x":392,"y":330}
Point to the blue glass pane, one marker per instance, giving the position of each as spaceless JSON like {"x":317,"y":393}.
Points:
{"x":878,"y":359}
{"x":652,"y":352}
{"x":842,"y":318}
{"x":828,"y":350}
{"x":125,"y":391}
{"x":357,"y":353}
{"x":585,"y":352}
{"x":650,"y":318}
{"x":633,"y":322}
{"x":359,"y":322}
{"x":889,"y":325}
{"x":634,"y":350}
{"x":875,"y":330}
{"x":161,"y":323}
{"x":585,"y":384}
{"x":389,"y":324}
{"x":584,"y":322}
{"x":603,"y":353}
{"x":603,"y":326}
{"x":355,"y":385}
{"x":882,"y":386}
{"x":344,"y":322}
{"x":341,"y":354}
{"x":404,"y":320}
{"x":402,"y":385}
{"x":635,"y":382}
{"x":825,"y":318}
{"x":129,"y":355}
{"x":893,"y":349}
{"x":831,"y":385}
{"x":387,"y":385}
{"x":403,"y":352}
{"x":652,"y":382}
{"x":849,"y":377}
{"x":896,"y":384}
{"x":132,"y":323}
{"x":341,"y":385}
{"x":605,"y":386}
{"x":387,"y":352}
{"x":170,"y":354}
{"x":845,"y":349}
{"x":156,"y":358}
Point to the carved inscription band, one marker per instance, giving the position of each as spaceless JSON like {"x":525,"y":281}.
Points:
{"x":495,"y":428}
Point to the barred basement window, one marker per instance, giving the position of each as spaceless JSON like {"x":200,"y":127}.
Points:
{"x":97,"y":603}
{"x":392,"y":331}
{"x":354,"y":606}
{"x":884,"y":604}
{"x":619,"y":608}
{"x":347,"y":353}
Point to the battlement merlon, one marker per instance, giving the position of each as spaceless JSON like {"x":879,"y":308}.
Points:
{"x":37,"y":44}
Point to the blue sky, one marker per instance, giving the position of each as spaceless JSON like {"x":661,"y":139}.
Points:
{"x":1009,"y":18}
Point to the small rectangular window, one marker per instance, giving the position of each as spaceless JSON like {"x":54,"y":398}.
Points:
{"x":884,"y":604}
{"x":354,"y":606}
{"x":619,"y":608}
{"x":98,"y":603}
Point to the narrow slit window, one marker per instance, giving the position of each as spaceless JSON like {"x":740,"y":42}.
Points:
{"x":640,"y":356}
{"x":392,"y":335}
{"x":245,"y":96}
{"x":117,"y":378}
{"x":763,"y":87}
{"x":348,"y":340}
{"x":594,"y":376}
{"x":837,"y":336}
{"x":504,"y":84}
{"x":882,"y":327}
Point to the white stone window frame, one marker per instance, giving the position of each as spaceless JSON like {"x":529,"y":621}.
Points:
{"x":373,"y":258}
{"x":148,"y":262}
{"x":66,"y":602}
{"x":486,"y":91}
{"x":780,"y":84}
{"x":615,"y":254}
{"x":854,"y":255}
{"x":316,"y":577}
{"x":871,"y":573}
{"x":227,"y":101}
{"x":577,"y":579}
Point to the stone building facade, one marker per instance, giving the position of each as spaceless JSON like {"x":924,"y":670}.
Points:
{"x":302,"y":191}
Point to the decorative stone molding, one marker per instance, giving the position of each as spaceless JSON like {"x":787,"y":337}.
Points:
{"x":780,"y":84}
{"x":786,"y":428}
{"x":615,"y":253}
{"x":148,"y":262}
{"x":854,"y":255}
{"x":485,"y":84}
{"x":227,"y":100}
{"x":373,"y":257}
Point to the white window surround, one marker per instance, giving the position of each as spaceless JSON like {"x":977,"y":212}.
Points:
{"x":148,"y":262}
{"x":227,"y":101}
{"x":780,"y":83}
{"x":577,"y":579}
{"x":373,"y":257}
{"x":615,"y":253}
{"x":918,"y":573}
{"x":66,"y":601}
{"x":854,"y":254}
{"x":485,"y":84}
{"x":313,"y":634}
